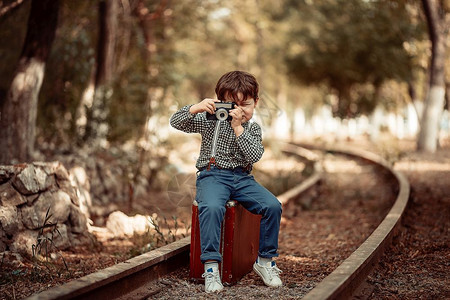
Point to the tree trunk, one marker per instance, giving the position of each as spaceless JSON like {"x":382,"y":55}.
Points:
{"x":146,"y":20}
{"x":414,"y":100}
{"x":97,"y":127}
{"x":18,"y":115}
{"x":434,"y":103}
{"x":447,"y":95}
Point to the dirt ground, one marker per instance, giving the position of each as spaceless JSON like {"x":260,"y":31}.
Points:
{"x":21,"y":277}
{"x":415,"y":267}
{"x":317,"y":233}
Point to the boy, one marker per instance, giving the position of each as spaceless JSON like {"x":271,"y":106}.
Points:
{"x":228,"y":150}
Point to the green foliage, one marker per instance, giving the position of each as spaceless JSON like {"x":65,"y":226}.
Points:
{"x":299,"y":50}
{"x":68,"y":72}
{"x":128,"y":106}
{"x":345,"y":43}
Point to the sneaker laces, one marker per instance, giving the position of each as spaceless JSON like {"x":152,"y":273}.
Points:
{"x":211,"y":277}
{"x":273,"y":270}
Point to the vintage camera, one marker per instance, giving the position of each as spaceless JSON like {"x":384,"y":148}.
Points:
{"x":222,"y":111}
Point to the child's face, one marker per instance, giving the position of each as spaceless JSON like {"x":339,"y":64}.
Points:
{"x":246,"y":105}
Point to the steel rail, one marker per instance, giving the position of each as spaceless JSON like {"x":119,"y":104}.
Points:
{"x":347,"y":277}
{"x":130,"y":279}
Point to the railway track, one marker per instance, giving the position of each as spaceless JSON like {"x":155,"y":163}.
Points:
{"x":134,"y":279}
{"x":344,"y":280}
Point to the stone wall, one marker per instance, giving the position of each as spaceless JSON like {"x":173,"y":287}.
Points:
{"x":104,"y":181}
{"x":27,"y":191}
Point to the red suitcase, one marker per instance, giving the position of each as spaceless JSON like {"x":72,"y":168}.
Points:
{"x":239,"y":243}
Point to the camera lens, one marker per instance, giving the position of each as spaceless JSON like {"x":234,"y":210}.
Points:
{"x":221,"y":114}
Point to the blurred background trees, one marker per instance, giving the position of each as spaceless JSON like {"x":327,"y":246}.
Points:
{"x":118,"y":68}
{"x":19,"y":109}
{"x":352,"y":45}
{"x":437,"y":14}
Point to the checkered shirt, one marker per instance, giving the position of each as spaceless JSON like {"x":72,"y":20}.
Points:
{"x":230,"y":151}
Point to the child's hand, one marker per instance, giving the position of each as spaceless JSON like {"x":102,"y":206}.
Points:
{"x":238,"y":119}
{"x":207,"y":105}
{"x":237,"y":115}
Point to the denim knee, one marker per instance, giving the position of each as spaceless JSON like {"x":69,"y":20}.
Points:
{"x":211,"y":208}
{"x":273,"y":208}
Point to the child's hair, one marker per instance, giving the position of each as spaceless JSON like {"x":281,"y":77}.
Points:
{"x":235,"y":82}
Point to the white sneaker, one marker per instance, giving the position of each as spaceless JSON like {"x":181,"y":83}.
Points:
{"x":269,"y":273}
{"x":212,"y":281}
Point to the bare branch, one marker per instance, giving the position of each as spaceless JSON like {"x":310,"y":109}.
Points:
{"x":8,"y":9}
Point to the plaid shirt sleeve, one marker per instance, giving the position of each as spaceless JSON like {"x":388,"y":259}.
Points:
{"x":185,"y":121}
{"x":219,"y":140}
{"x":250,"y":143}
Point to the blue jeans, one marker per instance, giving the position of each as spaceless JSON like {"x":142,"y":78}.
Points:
{"x":214,"y":188}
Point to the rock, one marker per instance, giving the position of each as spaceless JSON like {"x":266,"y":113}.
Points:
{"x":6,"y":173}
{"x":32,"y":217}
{"x":9,"y":219}
{"x":68,"y":188}
{"x":59,"y":237}
{"x":78,"y":220}
{"x":27,"y":192}
{"x":50,"y":184}
{"x":59,"y":203}
{"x":61,"y":206}
{"x":53,"y":238}
{"x":31,"y":199}
{"x":121,"y":225}
{"x":9,"y":196}
{"x":61,"y":173}
{"x":118,"y":223}
{"x":80,"y":179}
{"x":79,"y":176}
{"x":31,"y":180}
{"x":50,"y":168}
{"x":85,"y":202}
{"x":23,"y":242}
{"x":141,"y":224}
{"x":78,"y":239}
